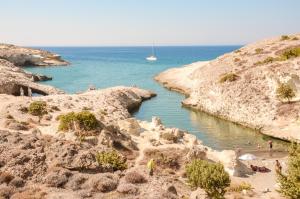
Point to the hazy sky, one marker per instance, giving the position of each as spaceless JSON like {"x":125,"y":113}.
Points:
{"x":140,"y":22}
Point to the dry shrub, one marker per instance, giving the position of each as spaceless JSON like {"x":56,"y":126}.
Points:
{"x":105,"y":183}
{"x":135,"y":177}
{"x":240,"y":187}
{"x":30,"y":193}
{"x":228,"y":77}
{"x":169,"y":136}
{"x":6,"y":177}
{"x":166,"y":158}
{"x":127,"y":188}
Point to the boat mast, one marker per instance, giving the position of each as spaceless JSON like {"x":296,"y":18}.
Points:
{"x":153,"y":49}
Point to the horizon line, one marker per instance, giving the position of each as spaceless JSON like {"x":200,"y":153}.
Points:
{"x":105,"y":46}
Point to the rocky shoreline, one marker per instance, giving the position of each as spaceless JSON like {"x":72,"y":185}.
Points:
{"x":241,"y":86}
{"x":15,"y":81}
{"x":46,"y":152}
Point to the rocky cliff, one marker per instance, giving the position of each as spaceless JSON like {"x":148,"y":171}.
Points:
{"x":15,"y":81}
{"x":22,"y":56}
{"x":243,"y":86}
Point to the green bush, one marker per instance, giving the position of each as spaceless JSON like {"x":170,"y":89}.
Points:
{"x":230,"y":77}
{"x":38,"y":108}
{"x":291,"y":53}
{"x":295,"y":39}
{"x":285,"y":37}
{"x":285,"y":91}
{"x":209,"y":176}
{"x":290,"y":182}
{"x":111,"y":160}
{"x":259,"y":50}
{"x":84,"y":119}
{"x":240,"y":187}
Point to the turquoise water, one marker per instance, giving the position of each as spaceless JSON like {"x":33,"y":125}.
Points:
{"x":112,"y":66}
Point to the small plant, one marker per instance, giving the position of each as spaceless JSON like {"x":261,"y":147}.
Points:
{"x":259,"y":50}
{"x":291,"y":53}
{"x":5,"y":177}
{"x":38,"y":108}
{"x":209,"y":176}
{"x":169,"y":136}
{"x":111,"y":160}
{"x":55,"y":108}
{"x":295,"y":39}
{"x":23,"y":109}
{"x":9,"y":117}
{"x":240,"y":187}
{"x":237,"y":51}
{"x":290,"y":182}
{"x":285,"y":91}
{"x":228,"y":77}
{"x":85,"y":120}
{"x":285,"y":37}
{"x":237,"y":59}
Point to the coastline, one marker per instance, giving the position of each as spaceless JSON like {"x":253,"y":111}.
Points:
{"x":235,"y":101}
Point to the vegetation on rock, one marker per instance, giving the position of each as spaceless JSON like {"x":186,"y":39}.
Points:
{"x":237,"y":59}
{"x":291,"y":53}
{"x":111,"y":160}
{"x":38,"y":108}
{"x":285,"y":91}
{"x":285,"y":37}
{"x":287,"y":54}
{"x":169,"y":136}
{"x":259,"y":50}
{"x":230,"y":77}
{"x":209,"y":176}
{"x":290,"y":182}
{"x":240,"y":187}
{"x":85,"y":120}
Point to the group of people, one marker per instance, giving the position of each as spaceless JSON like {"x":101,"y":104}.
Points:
{"x":263,"y":169}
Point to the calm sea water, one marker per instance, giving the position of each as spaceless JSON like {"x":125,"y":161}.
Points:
{"x":112,"y":66}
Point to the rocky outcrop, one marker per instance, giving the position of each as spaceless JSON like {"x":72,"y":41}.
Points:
{"x":15,"y":80}
{"x":241,"y":86}
{"x":22,"y":56}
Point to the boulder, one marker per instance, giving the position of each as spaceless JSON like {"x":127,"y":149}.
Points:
{"x":130,"y":126}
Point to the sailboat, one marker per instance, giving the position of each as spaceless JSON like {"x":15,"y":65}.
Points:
{"x":152,"y":57}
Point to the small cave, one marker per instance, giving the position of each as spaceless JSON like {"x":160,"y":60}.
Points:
{"x":28,"y":63}
{"x":18,"y":89}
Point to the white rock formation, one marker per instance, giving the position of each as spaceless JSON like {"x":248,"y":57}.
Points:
{"x":250,"y":98}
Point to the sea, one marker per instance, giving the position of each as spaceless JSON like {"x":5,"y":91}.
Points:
{"x":104,"y":67}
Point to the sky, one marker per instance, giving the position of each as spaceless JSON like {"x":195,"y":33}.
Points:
{"x":141,"y":22}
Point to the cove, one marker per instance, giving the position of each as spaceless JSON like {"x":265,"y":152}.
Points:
{"x":113,"y":66}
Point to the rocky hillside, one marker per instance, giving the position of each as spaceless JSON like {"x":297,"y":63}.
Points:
{"x":256,"y":86}
{"x":58,"y":146}
{"x":22,"y":56}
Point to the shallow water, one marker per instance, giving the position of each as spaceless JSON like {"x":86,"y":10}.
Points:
{"x":113,"y":66}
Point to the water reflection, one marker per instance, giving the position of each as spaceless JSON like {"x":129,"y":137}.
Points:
{"x":226,"y":135}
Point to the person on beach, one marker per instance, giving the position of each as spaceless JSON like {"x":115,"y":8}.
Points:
{"x":270,"y":145}
{"x":151,"y":166}
{"x":278,"y":167}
